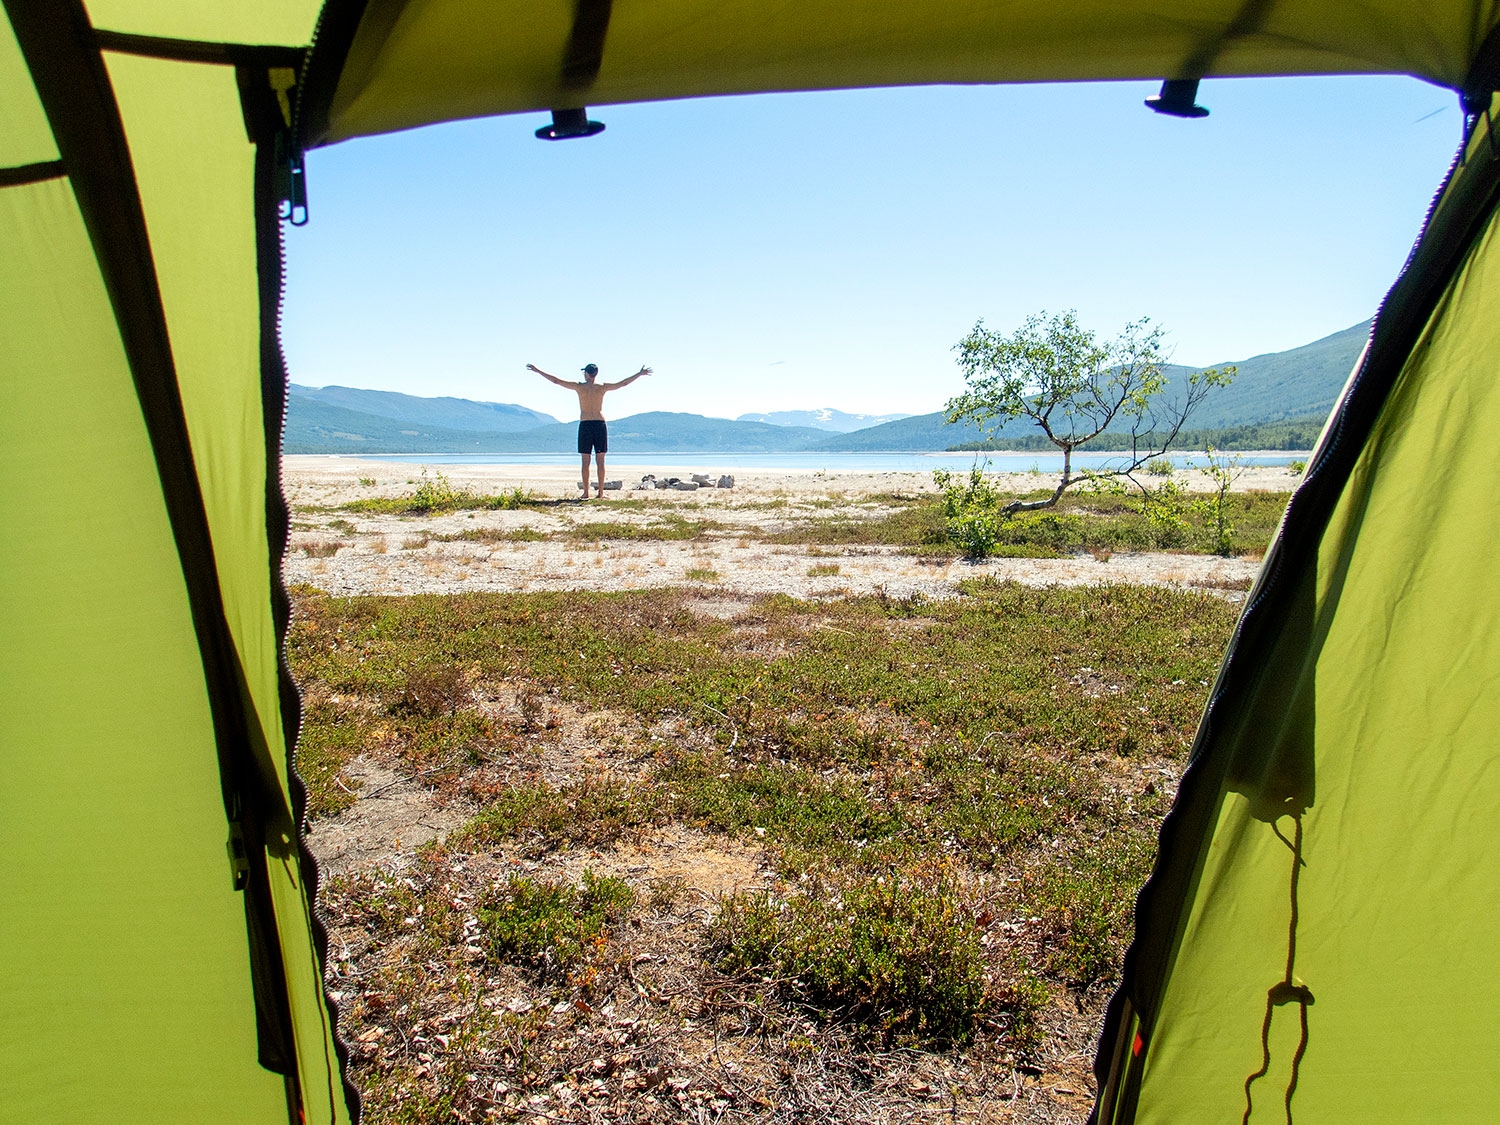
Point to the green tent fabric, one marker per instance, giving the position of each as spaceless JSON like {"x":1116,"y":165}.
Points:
{"x":163,"y":960}
{"x":164,"y":956}
{"x":1317,"y":937}
{"x":529,"y":55}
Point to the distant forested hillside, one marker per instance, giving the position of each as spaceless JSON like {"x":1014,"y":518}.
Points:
{"x":1283,"y":385}
{"x":1289,"y":433}
{"x":442,"y":413}
{"x":317,"y":427}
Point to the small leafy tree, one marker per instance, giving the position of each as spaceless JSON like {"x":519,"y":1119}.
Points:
{"x":1074,"y":387}
{"x":1223,"y":471}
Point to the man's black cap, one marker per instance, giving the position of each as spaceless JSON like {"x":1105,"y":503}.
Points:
{"x":591,"y":369}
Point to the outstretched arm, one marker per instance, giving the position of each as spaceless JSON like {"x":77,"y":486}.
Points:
{"x":544,"y":375}
{"x":627,"y":382}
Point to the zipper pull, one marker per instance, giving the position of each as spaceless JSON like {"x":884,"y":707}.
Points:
{"x":291,"y":181}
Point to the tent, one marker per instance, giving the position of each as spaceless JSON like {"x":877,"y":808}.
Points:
{"x":1313,"y":938}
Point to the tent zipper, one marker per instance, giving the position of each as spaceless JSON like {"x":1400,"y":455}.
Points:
{"x":278,"y":197}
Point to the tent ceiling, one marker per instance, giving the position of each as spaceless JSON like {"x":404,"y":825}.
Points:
{"x":417,"y":62}
{"x":283,"y":22}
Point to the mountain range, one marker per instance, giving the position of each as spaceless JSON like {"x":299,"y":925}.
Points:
{"x":835,"y":421}
{"x":444,"y":413}
{"x":1297,"y":386}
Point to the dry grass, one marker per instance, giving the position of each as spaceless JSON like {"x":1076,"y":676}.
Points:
{"x":322,"y":548}
{"x":879,"y":854}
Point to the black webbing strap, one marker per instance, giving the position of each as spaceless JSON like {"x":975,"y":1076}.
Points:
{"x":584,"y":54}
{"x":199,"y":51}
{"x":31,"y":173}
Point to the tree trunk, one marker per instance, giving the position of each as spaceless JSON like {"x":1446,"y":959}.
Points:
{"x":1062,"y":486}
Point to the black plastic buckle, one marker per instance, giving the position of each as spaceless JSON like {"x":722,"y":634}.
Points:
{"x":239,"y":857}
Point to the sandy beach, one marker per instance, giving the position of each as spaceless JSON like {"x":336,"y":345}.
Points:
{"x":330,"y":479}
{"x":554,"y":548}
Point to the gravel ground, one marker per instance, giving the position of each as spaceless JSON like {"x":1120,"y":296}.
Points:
{"x":345,"y":553}
{"x":751,"y":570}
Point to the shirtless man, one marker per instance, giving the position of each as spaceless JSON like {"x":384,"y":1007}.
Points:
{"x":593,"y":436}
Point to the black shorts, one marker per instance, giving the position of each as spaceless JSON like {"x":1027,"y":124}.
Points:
{"x":593,"y":437}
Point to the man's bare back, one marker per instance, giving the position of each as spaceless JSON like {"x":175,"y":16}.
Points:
{"x":590,"y":400}
{"x":593,"y":436}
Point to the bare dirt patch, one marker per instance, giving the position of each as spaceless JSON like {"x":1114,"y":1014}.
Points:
{"x":393,"y":815}
{"x":676,"y":860}
{"x":723,"y":609}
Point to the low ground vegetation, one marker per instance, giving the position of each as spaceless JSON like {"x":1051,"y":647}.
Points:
{"x":976,"y":520}
{"x":438,"y":494}
{"x":943,"y":811}
{"x":968,"y":517}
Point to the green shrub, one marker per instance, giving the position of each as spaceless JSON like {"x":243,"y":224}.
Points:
{"x":553,"y":927}
{"x":1086,"y":904}
{"x":889,"y":953}
{"x":1166,"y":509}
{"x":1296,"y":468}
{"x":438,"y":494}
{"x":1159,"y":466}
{"x":975,"y":532}
{"x":972,"y":511}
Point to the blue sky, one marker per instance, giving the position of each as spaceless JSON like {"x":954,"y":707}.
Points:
{"x":793,"y":251}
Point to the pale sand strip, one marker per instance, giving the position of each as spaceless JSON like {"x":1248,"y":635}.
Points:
{"x":399,"y":554}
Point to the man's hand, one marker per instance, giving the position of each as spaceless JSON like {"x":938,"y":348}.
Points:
{"x":643,"y":371}
{"x":534,"y":367}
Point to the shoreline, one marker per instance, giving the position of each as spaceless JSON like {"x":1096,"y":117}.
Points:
{"x":339,"y":475}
